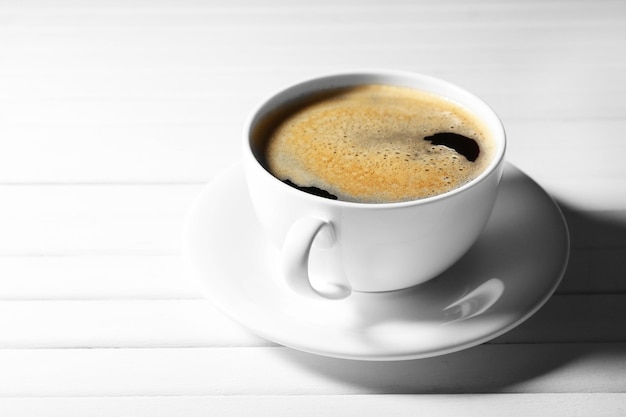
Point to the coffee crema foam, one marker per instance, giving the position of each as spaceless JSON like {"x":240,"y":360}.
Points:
{"x":373,"y":144}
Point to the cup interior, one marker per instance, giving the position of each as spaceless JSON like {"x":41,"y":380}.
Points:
{"x":300,"y":91}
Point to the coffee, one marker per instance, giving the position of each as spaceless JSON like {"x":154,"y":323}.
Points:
{"x":374,"y":143}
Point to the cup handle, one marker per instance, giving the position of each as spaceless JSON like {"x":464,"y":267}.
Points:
{"x":295,"y":258}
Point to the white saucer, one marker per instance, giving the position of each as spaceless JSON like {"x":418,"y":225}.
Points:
{"x":506,"y":276}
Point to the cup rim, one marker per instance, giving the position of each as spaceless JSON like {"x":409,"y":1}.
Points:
{"x":380,"y":76}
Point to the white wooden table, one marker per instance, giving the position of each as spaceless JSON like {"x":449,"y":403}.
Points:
{"x":115,"y":114}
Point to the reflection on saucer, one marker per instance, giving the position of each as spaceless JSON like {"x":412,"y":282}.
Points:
{"x":476,"y":302}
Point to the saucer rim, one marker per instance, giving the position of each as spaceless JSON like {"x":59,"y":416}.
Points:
{"x":261,"y":332}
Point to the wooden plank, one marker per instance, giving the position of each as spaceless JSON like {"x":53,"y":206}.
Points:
{"x":316,"y":58}
{"x":217,"y":29}
{"x":200,"y":5}
{"x":574,"y":318}
{"x":595,"y":271}
{"x":450,"y":12}
{"x":120,"y":153}
{"x":143,"y":218}
{"x":510,"y":104}
{"x":195,"y":154}
{"x":596,"y":229}
{"x":48,"y":153}
{"x":533,"y":145}
{"x":441,"y":10}
{"x":119,"y":324}
{"x":491,"y":405}
{"x":193,"y":83}
{"x":106,"y":219}
{"x":545,"y":105}
{"x":128,"y":277}
{"x":95,"y":277}
{"x":124,"y":220}
{"x":546,"y":368}
{"x":127,"y":111}
{"x":122,"y":49}
{"x":129,"y":323}
{"x":153,"y":83}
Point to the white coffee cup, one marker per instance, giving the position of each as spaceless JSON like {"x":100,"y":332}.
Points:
{"x":370,"y":247}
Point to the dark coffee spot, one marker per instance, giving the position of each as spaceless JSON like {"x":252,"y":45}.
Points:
{"x":465,"y":146}
{"x":312,"y":190}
